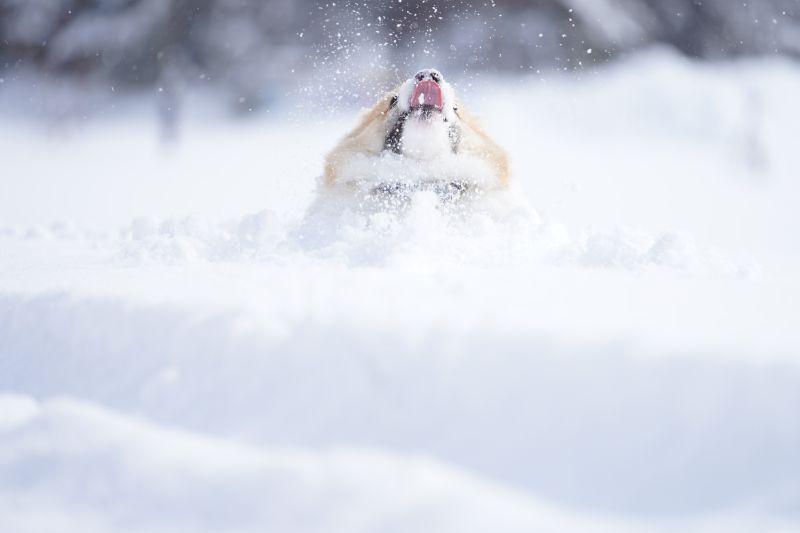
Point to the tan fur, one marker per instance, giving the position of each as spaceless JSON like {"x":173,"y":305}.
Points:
{"x":368,"y":137}
{"x":475,"y":141}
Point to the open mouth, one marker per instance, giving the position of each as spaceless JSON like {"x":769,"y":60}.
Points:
{"x":427,"y":95}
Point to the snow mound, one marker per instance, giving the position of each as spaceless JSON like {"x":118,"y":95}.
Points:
{"x":588,"y":422}
{"x":366,"y":228}
{"x":74,"y":465}
{"x":192,"y":238}
{"x":359,"y":228}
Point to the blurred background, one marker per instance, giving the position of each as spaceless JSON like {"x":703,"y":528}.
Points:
{"x":254,"y":54}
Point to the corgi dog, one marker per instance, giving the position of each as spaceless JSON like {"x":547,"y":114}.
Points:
{"x":418,"y":136}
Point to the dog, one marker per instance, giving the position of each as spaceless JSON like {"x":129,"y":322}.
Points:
{"x":418,"y":134}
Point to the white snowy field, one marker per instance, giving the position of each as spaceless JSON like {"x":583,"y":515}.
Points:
{"x":181,"y":349}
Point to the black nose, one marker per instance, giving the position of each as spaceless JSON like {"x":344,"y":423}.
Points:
{"x":429,"y":73}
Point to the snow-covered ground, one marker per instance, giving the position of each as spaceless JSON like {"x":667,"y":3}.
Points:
{"x":184,"y":347}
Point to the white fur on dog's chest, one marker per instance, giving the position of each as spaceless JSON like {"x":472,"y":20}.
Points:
{"x":425,"y":139}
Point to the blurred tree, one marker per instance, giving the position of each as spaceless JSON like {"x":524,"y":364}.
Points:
{"x":249,"y":46}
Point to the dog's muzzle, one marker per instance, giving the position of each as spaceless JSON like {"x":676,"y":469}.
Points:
{"x":427,"y":95}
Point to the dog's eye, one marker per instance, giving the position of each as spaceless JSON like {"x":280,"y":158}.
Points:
{"x":393,"y":102}
{"x":419,"y":76}
{"x":436,"y":77}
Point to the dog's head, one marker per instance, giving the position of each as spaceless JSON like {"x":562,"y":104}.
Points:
{"x":422,"y":117}
{"x":427,"y":95}
{"x":421,"y":121}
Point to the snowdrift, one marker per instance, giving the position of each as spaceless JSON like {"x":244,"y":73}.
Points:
{"x":610,"y":346}
{"x":61,"y":461}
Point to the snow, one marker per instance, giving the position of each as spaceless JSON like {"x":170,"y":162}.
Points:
{"x":440,"y":165}
{"x":137,"y":471}
{"x":193,"y":339}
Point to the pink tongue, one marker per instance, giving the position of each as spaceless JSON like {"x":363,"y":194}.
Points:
{"x":427,"y":92}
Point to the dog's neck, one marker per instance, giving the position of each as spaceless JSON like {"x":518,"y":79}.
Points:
{"x":409,"y":126}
